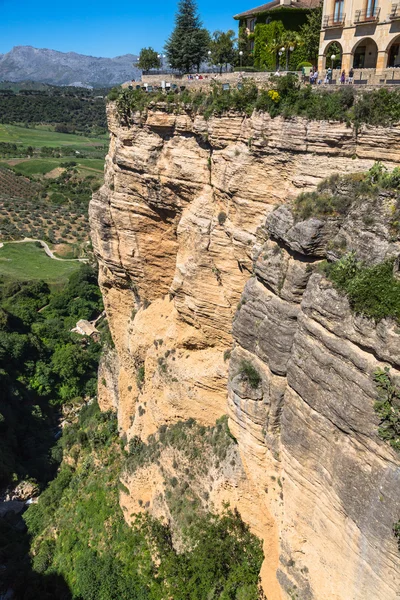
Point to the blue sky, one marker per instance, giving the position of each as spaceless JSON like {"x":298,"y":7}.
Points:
{"x":100,"y":27}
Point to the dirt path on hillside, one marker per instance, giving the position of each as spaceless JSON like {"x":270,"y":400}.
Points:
{"x":47,"y":250}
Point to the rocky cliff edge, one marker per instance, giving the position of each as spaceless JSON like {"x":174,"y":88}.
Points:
{"x":200,"y":276}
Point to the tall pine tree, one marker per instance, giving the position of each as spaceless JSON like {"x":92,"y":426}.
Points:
{"x":188,"y":43}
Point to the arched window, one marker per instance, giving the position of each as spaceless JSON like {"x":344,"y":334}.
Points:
{"x":393,"y":52}
{"x":333,"y":49}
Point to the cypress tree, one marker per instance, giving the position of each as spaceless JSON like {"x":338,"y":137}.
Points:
{"x":188,"y":43}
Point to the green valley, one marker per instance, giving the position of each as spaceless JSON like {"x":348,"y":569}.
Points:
{"x":28,"y":262}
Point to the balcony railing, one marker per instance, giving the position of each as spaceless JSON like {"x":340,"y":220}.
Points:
{"x":368,"y":15}
{"x":395,"y":12}
{"x":330,"y":21}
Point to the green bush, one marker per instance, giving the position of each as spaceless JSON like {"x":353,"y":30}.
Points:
{"x":222,"y":216}
{"x":320,"y":204}
{"x":227,"y":355}
{"x":372,"y":291}
{"x":140,"y":376}
{"x":396,"y":532}
{"x":388,"y":408}
{"x":336,"y":195}
{"x":114,"y":93}
{"x":302,"y":64}
{"x":250,"y":373}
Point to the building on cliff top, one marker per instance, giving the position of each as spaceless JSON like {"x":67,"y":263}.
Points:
{"x":291,"y":13}
{"x":360,"y":34}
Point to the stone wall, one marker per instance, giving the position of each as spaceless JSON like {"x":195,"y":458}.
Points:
{"x":369,"y":77}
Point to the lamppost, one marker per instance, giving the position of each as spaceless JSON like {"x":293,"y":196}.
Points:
{"x":282,"y":50}
{"x":240,"y":58}
{"x":209,"y":58}
{"x":279,"y":59}
{"x":289,"y":49}
{"x":333,"y":61}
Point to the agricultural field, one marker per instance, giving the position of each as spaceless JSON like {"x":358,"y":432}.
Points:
{"x":38,"y":137}
{"x":52,"y":210}
{"x":28,"y":262}
{"x":46,"y":181}
{"x":42,"y":166}
{"x":12,"y":186}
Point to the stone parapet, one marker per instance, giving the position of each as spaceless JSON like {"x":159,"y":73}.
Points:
{"x":370,"y":77}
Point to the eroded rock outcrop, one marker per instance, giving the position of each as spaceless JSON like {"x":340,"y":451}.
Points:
{"x":340,"y":482}
{"x":179,"y":231}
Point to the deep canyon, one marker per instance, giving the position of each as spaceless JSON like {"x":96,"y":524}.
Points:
{"x":205,"y":268}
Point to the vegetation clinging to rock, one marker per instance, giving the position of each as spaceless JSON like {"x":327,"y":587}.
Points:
{"x":219,"y":557}
{"x":250,"y":373}
{"x":185,"y":436}
{"x":377,"y":107}
{"x":372,"y":291}
{"x":388,"y":408}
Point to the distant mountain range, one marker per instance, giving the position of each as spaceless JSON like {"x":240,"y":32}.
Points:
{"x":25,"y":63}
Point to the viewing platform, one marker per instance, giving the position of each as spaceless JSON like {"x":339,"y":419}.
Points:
{"x":362,"y":77}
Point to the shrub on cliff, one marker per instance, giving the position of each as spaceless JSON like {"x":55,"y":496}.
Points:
{"x":250,"y":373}
{"x":388,"y":408}
{"x":380,"y":107}
{"x":336,"y":195}
{"x":396,"y":532}
{"x":372,"y":291}
{"x":320,"y":204}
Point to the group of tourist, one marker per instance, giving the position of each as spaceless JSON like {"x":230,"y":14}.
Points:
{"x":314,"y":76}
{"x":197,"y":77}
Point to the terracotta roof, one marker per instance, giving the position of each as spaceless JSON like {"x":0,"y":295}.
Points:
{"x":276,"y":4}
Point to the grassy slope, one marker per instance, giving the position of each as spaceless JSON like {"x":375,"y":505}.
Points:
{"x":39,"y":137}
{"x":28,"y":262}
{"x":40,"y":166}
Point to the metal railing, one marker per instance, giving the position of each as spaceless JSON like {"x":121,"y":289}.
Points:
{"x":203,"y":69}
{"x":333,"y":21}
{"x":161,"y":72}
{"x":367,"y":15}
{"x":395,"y":12}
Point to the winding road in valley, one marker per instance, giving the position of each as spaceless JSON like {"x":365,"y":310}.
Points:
{"x":46,"y":249}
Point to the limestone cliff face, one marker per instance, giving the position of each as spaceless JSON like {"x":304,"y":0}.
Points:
{"x":194,"y":261}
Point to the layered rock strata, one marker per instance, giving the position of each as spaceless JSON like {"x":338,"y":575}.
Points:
{"x":176,"y":229}
{"x":314,"y":407}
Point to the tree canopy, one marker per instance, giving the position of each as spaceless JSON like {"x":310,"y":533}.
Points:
{"x":188,"y":43}
{"x":148,"y":59}
{"x":222,"y":47}
{"x":310,"y":33}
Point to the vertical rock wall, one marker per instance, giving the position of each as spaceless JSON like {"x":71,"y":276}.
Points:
{"x":176,"y":228}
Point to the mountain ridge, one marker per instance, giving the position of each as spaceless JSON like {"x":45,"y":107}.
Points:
{"x":45,"y":65}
